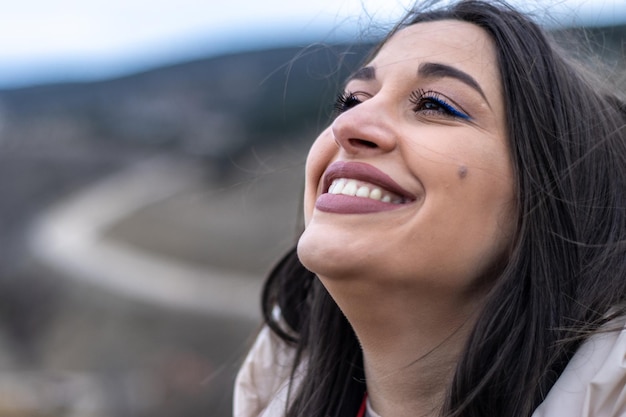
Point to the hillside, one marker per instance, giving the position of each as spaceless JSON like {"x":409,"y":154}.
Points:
{"x":211,"y":108}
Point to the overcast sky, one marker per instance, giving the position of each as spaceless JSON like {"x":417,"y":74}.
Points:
{"x":43,"y":40}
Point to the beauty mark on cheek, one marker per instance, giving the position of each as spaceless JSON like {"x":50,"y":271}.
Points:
{"x":462,"y":171}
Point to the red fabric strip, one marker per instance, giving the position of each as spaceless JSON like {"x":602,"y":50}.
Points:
{"x":363,"y":407}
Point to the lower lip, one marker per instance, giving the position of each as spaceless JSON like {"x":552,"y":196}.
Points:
{"x":343,"y":204}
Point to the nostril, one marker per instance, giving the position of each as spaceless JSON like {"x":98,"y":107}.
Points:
{"x":362,"y":143}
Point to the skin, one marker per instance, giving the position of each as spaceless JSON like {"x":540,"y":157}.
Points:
{"x":410,"y":280}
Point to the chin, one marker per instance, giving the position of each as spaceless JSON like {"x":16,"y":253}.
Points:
{"x":314,"y":252}
{"x":330,"y":255}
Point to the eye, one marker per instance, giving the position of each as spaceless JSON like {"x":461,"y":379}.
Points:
{"x":345,"y":101}
{"x":433,"y":103}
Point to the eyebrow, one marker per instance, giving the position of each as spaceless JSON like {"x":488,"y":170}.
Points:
{"x":428,"y":70}
{"x":364,"y":74}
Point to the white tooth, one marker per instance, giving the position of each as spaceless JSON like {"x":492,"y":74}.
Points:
{"x":338,"y":186}
{"x":363,"y":191}
{"x":350,"y":188}
{"x":376,"y":194}
{"x":332,"y":186}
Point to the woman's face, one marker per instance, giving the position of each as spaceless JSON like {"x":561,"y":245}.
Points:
{"x":412,"y":182}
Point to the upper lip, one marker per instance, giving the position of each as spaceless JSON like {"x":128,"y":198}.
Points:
{"x":363,"y":172}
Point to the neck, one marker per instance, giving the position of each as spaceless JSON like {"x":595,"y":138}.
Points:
{"x":411,"y":344}
{"x":407,"y":382}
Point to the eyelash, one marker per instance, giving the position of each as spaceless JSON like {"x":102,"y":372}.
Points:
{"x":420,"y":98}
{"x":346,"y":101}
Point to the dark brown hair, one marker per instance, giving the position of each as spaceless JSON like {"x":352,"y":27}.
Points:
{"x":566,"y":276}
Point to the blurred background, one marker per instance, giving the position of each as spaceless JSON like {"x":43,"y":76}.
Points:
{"x":151,"y":158}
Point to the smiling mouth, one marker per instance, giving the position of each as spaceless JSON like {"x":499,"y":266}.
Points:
{"x":360,"y":188}
{"x":355,"y":188}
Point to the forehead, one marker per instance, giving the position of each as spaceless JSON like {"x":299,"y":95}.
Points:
{"x":460,"y":44}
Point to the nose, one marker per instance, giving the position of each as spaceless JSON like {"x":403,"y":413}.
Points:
{"x":366,"y":128}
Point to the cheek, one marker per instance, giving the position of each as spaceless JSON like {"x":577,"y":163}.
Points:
{"x":470,"y":218}
{"x":491,"y":214}
{"x":321,"y":154}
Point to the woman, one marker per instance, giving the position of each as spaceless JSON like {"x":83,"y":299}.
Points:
{"x":465,"y":229}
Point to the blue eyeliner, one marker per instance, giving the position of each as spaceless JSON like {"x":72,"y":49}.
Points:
{"x":454,"y":112}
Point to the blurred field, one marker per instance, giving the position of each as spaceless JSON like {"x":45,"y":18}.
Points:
{"x":139,"y":217}
{"x":69,"y":346}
